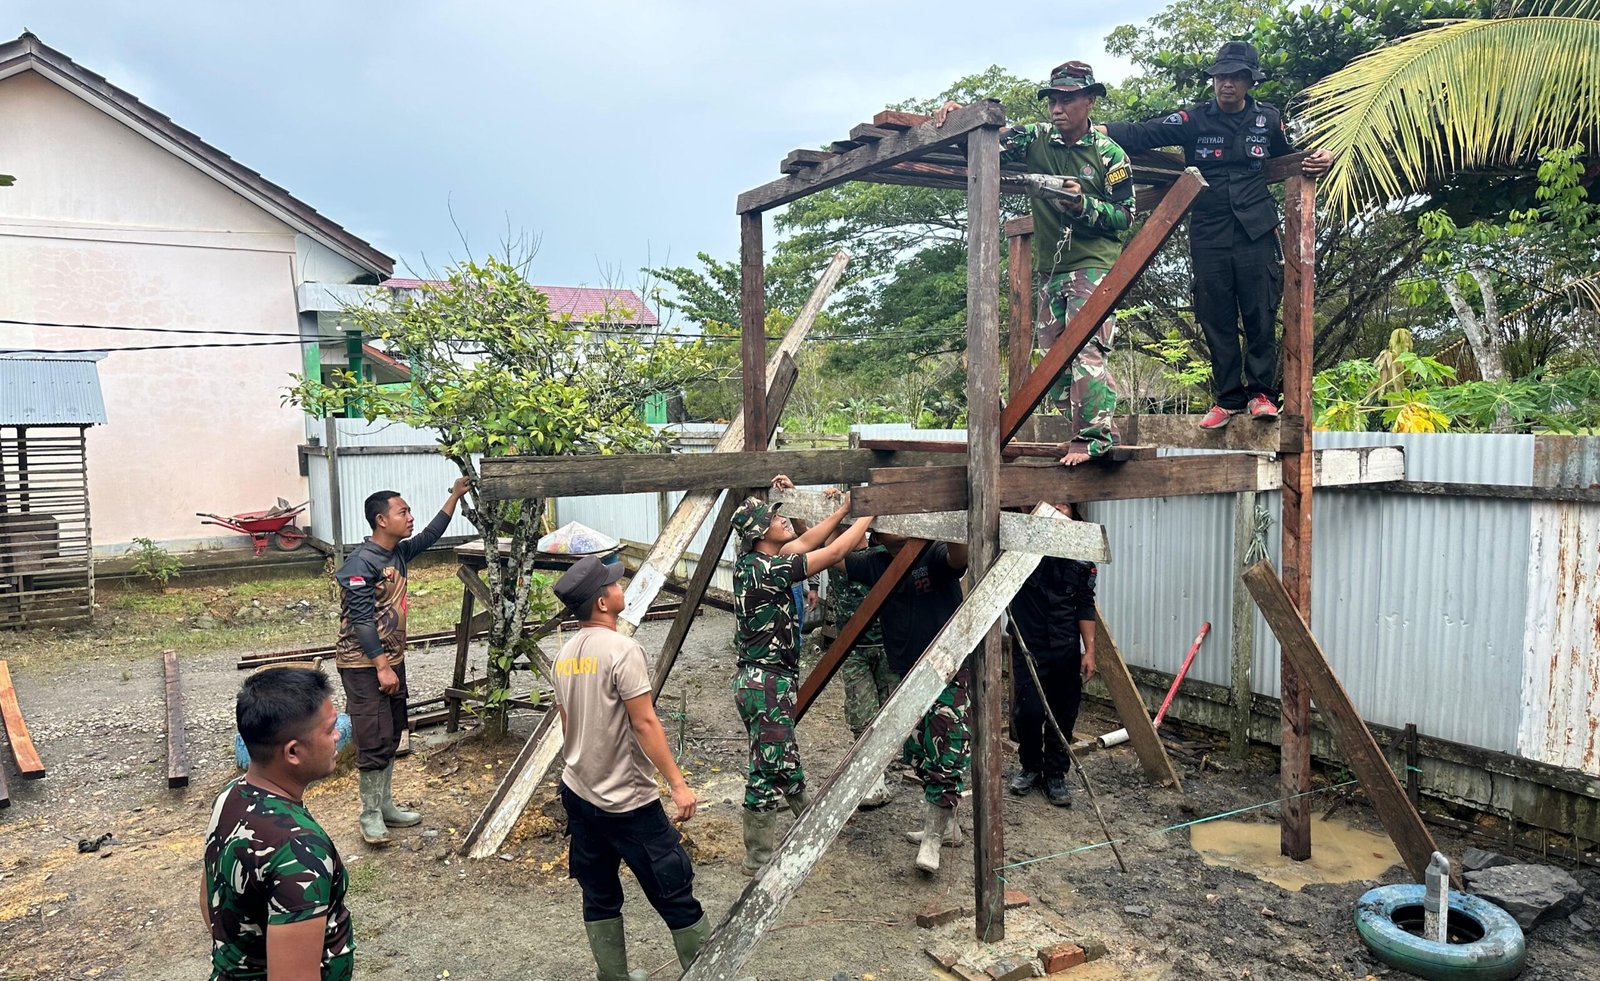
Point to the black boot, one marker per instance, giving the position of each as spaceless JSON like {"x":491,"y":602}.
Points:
{"x":1023,"y":783}
{"x":1057,"y":790}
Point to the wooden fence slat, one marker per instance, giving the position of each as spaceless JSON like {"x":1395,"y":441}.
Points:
{"x":177,"y":749}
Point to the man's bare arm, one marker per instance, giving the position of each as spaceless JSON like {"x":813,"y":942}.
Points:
{"x":294,"y":950}
{"x":653,"y":740}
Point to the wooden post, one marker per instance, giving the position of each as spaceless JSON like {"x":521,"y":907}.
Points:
{"x":1299,"y":294}
{"x":721,"y":531}
{"x":1244,"y":624}
{"x":1019,"y":339}
{"x":458,"y":675}
{"x":983,"y":516}
{"x":1399,"y":818}
{"x":330,"y":439}
{"x":753,"y":321}
{"x":177,"y":752}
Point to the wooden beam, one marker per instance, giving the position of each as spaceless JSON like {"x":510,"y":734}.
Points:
{"x":753,"y":329}
{"x":1299,"y":320}
{"x":177,"y":752}
{"x":29,"y":766}
{"x":500,"y":815}
{"x":852,"y":630}
{"x":1051,"y":534}
{"x":799,"y":160}
{"x":1019,"y":313}
{"x":514,"y":477}
{"x":1360,"y":750}
{"x":889,"y":150}
{"x":1284,"y":435}
{"x":1131,"y":710}
{"x":899,"y":121}
{"x":776,"y":883}
{"x":5,"y":792}
{"x":1244,"y":625}
{"x":1124,"y":273}
{"x":868,"y":133}
{"x":1503,"y":492}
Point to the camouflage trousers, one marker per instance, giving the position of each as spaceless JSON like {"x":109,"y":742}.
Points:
{"x":941,"y":746}
{"x":1085,"y":392}
{"x":867,"y":680}
{"x":765,"y":700}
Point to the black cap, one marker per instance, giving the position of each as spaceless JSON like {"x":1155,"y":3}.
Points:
{"x":1237,"y":56}
{"x":584,"y":581}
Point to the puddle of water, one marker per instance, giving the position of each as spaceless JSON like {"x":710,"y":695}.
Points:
{"x":1339,"y":853}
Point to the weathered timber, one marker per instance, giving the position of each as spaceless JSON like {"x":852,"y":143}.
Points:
{"x":983,"y":521}
{"x":1299,"y":320}
{"x":941,"y":488}
{"x":1243,"y":434}
{"x":1124,"y":273}
{"x":1051,"y":534}
{"x":177,"y":751}
{"x":29,"y":766}
{"x":1019,"y":312}
{"x":1131,"y":710}
{"x":889,"y":150}
{"x":1244,"y":625}
{"x":799,"y":160}
{"x":503,"y":809}
{"x":1504,"y":492}
{"x":5,"y":792}
{"x":776,"y":883}
{"x":753,"y":330}
{"x":893,"y":120}
{"x":514,"y":477}
{"x":1388,"y":798}
{"x":851,"y":632}
{"x":463,"y":648}
{"x":868,"y":133}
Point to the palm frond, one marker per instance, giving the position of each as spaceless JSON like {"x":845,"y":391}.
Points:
{"x":1458,"y":96}
{"x":1583,"y":291}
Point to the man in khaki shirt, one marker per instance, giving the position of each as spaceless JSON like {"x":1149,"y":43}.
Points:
{"x":614,"y":747}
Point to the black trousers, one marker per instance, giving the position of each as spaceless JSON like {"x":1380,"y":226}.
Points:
{"x":1237,"y":291}
{"x":647,"y":841}
{"x":1037,"y":746}
{"x":376,"y":719}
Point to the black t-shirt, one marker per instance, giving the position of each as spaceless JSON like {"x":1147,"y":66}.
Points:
{"x":1049,"y":606}
{"x":918,"y":608}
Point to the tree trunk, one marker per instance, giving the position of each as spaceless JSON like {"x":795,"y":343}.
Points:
{"x":1483,"y":333}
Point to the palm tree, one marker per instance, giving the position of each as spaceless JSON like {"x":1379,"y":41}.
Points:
{"x":1460,"y":95}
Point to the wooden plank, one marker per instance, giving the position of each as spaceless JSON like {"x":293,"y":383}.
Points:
{"x":1285,"y":434}
{"x":458,"y":674}
{"x":500,"y":815}
{"x":893,"y":120}
{"x":799,"y":160}
{"x":1011,"y":451}
{"x":868,"y":133}
{"x":1244,"y":625}
{"x":1052,"y":534}
{"x":753,"y":333}
{"x":1124,"y":273}
{"x":1505,"y":492}
{"x":776,"y":883}
{"x":852,"y":630}
{"x":177,"y":751}
{"x":5,"y":792}
{"x":330,"y":441}
{"x":983,"y":520}
{"x":29,"y":766}
{"x":1299,"y":320}
{"x":1360,"y":750}
{"x":1131,"y":710}
{"x":514,"y":477}
{"x":890,"y":150}
{"x":1019,"y":312}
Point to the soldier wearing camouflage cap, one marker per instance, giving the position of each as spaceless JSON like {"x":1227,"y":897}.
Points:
{"x":1075,"y":241}
{"x":772,"y":559}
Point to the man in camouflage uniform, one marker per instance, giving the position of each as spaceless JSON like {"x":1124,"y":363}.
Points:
{"x":1075,"y":242}
{"x":867,"y":678}
{"x":772,"y":559}
{"x":273,"y":880}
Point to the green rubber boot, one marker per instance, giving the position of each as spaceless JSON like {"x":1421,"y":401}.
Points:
{"x":393,"y":815}
{"x":373,"y":831}
{"x":798,"y":803}
{"x":610,"y":951}
{"x":688,"y":941}
{"x":760,"y":828}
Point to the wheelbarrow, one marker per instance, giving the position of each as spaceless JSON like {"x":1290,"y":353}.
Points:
{"x":274,"y":525}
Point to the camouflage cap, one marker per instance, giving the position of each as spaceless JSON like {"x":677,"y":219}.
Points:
{"x":1237,"y":56}
{"x":1072,"y":76}
{"x":751,"y":520}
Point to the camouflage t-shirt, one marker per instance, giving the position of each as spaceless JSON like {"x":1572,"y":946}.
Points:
{"x":269,"y":863}
{"x":844,"y":598}
{"x":767,"y":634}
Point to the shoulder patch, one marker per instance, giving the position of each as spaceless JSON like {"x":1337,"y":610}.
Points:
{"x":1177,"y":119}
{"x":356,"y":581}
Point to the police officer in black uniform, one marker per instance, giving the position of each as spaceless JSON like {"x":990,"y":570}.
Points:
{"x":1233,"y":226}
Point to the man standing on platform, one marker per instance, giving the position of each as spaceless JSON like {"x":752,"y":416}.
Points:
{"x":371,"y":649}
{"x":1077,"y":235}
{"x":772,"y":560}
{"x":614,"y":747}
{"x":1233,"y":227}
{"x":912,"y":616}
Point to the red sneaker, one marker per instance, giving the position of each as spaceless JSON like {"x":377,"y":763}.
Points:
{"x":1216,"y":418}
{"x":1262,"y":407}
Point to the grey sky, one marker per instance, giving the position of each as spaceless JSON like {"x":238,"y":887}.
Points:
{"x":619,"y":132}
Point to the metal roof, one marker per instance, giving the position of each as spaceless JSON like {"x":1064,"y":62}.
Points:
{"x":611,"y":306}
{"x":51,"y":390}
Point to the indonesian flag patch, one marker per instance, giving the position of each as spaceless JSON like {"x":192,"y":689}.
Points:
{"x":356,"y":581}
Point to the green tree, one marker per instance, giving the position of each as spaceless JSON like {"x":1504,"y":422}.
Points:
{"x":495,"y":373}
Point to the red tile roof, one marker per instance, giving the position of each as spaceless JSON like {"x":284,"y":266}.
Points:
{"x":613,"y":306}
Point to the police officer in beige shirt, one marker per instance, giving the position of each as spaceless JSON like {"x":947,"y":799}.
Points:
{"x":614,"y":747}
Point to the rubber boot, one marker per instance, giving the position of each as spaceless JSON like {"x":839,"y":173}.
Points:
{"x":879,"y":795}
{"x":760,"y":828}
{"x":798,"y":803}
{"x":952,"y":831}
{"x":688,"y":941}
{"x":610,"y":949}
{"x":934,"y":823}
{"x":393,"y":815}
{"x":373,"y":831}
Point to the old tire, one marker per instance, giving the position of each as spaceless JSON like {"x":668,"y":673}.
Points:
{"x":288,"y":538}
{"x":1491,"y":947}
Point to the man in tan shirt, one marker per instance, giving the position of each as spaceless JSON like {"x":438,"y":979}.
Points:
{"x":614,"y":747}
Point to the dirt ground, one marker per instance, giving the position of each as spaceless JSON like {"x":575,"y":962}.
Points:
{"x":93,"y":699}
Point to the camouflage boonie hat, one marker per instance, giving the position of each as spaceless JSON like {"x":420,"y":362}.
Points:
{"x":751,"y":520}
{"x":1072,"y":76}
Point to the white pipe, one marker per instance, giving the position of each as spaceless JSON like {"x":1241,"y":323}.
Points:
{"x":1111,"y":739}
{"x":1436,"y":900}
